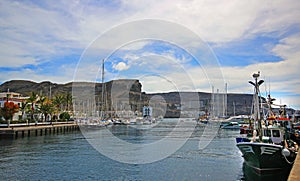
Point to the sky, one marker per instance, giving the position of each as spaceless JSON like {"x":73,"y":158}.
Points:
{"x":198,"y":42}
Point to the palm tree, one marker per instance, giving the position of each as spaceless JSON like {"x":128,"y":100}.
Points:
{"x":34,"y":97}
{"x":23,"y":108}
{"x":46,"y":107}
{"x":58,"y":101}
{"x":68,"y":100}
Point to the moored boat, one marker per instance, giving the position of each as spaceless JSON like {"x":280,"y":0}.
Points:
{"x":230,"y":125}
{"x":272,"y":153}
{"x":268,"y":149}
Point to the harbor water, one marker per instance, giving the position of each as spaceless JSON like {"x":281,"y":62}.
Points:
{"x":70,"y":156}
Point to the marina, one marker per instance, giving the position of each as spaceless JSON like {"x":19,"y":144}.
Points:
{"x":257,"y":146}
{"x":150,"y":91}
{"x":44,"y":158}
{"x":45,"y":155}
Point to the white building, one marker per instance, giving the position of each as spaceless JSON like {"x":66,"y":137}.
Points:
{"x":14,"y":97}
{"x":147,"y":111}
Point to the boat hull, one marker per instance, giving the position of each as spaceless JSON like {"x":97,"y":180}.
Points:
{"x":264,"y":157}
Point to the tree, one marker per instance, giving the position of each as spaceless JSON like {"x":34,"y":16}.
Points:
{"x":32,"y":100}
{"x":46,"y":107}
{"x":64,"y":116}
{"x":68,"y":101}
{"x":9,"y":110}
{"x":23,"y":108}
{"x":58,"y":103}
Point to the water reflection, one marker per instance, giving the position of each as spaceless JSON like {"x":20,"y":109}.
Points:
{"x":250,"y":175}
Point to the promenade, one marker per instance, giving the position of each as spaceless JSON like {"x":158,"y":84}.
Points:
{"x":295,"y":172}
{"x":15,"y":131}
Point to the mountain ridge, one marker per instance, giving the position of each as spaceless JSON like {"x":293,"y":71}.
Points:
{"x":237,"y":103}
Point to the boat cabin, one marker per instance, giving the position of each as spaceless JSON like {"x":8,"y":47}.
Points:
{"x":273,"y":133}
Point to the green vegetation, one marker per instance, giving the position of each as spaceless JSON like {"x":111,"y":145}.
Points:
{"x":8,"y":111}
{"x":38,"y":108}
{"x":64,"y":116}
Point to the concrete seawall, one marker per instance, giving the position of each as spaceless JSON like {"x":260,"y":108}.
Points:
{"x":295,"y":172}
{"x":39,"y":130}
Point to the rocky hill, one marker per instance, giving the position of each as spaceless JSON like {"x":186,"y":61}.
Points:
{"x":129,"y":91}
{"x":43,"y":88}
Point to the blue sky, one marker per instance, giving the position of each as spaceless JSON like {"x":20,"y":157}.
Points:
{"x":42,"y":40}
{"x":243,"y":52}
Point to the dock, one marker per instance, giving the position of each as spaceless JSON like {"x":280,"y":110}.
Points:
{"x":15,"y":132}
{"x":295,"y":172}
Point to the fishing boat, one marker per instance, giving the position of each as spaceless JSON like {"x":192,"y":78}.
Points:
{"x":240,"y":122}
{"x":268,"y":148}
{"x":230,"y":125}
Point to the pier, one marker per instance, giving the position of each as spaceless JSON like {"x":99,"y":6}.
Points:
{"x":295,"y":172}
{"x":14,"y":132}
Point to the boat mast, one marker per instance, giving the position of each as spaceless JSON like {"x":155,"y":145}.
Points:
{"x":212,"y":106}
{"x":257,"y":117}
{"x":102,"y":91}
{"x":225,"y":101}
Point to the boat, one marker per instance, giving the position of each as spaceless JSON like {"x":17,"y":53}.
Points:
{"x":240,"y":122}
{"x":99,"y":121}
{"x":121,"y":122}
{"x":230,"y":125}
{"x":267,"y":148}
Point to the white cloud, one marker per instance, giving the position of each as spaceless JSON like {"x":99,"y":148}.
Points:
{"x":121,"y":66}
{"x":31,"y":33}
{"x":63,"y":74}
{"x":47,"y":28}
{"x":44,"y":29}
{"x":135,"y":45}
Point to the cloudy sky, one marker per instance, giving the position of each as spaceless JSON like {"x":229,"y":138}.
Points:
{"x":63,"y":41}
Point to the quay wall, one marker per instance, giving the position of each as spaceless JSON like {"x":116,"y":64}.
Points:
{"x":295,"y":172}
{"x":38,"y":130}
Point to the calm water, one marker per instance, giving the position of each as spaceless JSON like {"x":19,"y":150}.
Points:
{"x":71,"y":157}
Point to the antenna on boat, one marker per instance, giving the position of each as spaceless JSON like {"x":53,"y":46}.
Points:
{"x":256,"y":85}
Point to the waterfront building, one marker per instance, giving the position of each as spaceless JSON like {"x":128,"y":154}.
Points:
{"x":147,"y":111}
{"x":14,"y":97}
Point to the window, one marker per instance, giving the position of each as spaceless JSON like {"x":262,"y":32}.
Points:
{"x":276,"y":133}
{"x":267,"y":132}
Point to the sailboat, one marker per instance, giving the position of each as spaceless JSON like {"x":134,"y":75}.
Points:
{"x":104,"y":121}
{"x":268,"y":149}
{"x":98,"y":120}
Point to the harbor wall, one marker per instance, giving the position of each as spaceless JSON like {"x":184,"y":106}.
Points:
{"x":295,"y":172}
{"x":39,"y":130}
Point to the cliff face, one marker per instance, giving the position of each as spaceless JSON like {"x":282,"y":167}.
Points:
{"x":126,"y":94}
